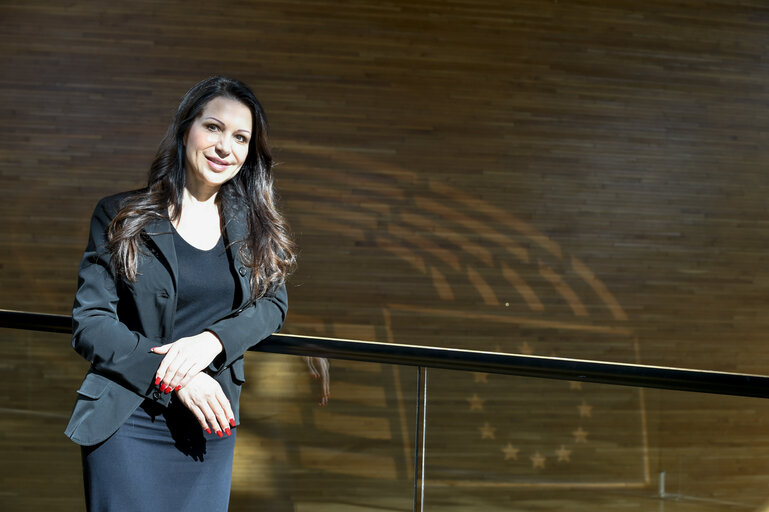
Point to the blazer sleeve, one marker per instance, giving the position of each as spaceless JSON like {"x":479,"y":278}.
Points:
{"x":240,"y":332}
{"x":99,"y":336}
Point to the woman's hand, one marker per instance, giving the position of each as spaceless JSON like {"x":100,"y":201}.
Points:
{"x":184,"y":359}
{"x":319,"y":370}
{"x":204,"y":397}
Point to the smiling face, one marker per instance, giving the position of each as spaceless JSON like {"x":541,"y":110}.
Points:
{"x":216,"y":144}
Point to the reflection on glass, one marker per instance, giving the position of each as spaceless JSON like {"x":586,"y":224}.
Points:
{"x":291,"y":454}
{"x":353,"y":454}
{"x":41,"y":469}
{"x":495,"y":441}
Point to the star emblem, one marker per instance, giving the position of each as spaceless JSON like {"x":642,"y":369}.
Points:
{"x":510,"y":452}
{"x":585,"y":411}
{"x":580,"y":436}
{"x":537,"y":461}
{"x":564,"y":455}
{"x":476,"y":402}
{"x":487,"y":431}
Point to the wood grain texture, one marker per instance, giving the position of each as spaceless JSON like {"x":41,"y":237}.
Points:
{"x":578,"y":178}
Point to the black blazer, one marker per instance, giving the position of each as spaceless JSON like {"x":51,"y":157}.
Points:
{"x":116,"y":322}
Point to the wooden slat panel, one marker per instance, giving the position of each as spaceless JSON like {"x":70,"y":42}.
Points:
{"x":579,"y":178}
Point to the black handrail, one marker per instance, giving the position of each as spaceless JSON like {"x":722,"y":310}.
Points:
{"x":621,"y":374}
{"x":35,"y":321}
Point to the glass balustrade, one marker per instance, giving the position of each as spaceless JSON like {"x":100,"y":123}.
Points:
{"x":490,"y":442}
{"x":291,"y":455}
{"x":355,"y":454}
{"x":498,"y":442}
{"x":41,"y":467}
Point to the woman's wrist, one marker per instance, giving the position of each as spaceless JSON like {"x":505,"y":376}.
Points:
{"x":216,"y":343}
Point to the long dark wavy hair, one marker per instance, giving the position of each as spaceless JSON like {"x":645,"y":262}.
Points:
{"x":268,"y":248}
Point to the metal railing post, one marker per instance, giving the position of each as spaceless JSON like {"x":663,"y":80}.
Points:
{"x":420,"y":440}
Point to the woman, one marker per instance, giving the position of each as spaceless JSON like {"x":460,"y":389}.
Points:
{"x":178,"y":280}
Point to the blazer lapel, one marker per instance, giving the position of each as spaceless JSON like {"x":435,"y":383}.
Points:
{"x":236,"y":229}
{"x":160,"y":232}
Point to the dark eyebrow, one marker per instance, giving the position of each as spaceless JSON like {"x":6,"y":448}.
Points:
{"x":218,"y":121}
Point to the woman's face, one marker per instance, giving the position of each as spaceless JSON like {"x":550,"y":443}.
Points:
{"x":216,"y":144}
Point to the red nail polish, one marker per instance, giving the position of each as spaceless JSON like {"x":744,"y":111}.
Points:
{"x":162,"y":387}
{"x":228,"y":431}
{"x":208,"y":430}
{"x":177,"y":388}
{"x":219,"y":433}
{"x":168,"y":390}
{"x":157,"y":380}
{"x":232,"y":422}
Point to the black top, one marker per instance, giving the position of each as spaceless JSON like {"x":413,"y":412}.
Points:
{"x":206,"y":283}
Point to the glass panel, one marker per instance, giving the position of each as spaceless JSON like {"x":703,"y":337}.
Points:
{"x":41,"y":467}
{"x":496,"y":442}
{"x":353,"y":455}
{"x":291,"y":455}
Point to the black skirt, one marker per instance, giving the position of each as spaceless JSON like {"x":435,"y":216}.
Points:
{"x":159,"y":459}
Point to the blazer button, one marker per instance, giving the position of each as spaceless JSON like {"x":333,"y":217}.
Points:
{"x":156,"y":395}
{"x":242,"y":271}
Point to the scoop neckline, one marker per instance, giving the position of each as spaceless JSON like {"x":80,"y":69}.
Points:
{"x":179,"y":235}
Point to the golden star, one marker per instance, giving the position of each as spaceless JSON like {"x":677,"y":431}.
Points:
{"x":537,"y":461}
{"x":585,"y":411}
{"x":573,"y":384}
{"x":580,"y":436}
{"x":476,"y":402}
{"x":487,"y":431}
{"x":481,"y":377}
{"x":564,"y":455}
{"x":510,"y":452}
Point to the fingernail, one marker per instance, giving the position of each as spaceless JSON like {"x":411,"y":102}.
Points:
{"x":177,"y":388}
{"x":228,"y":431}
{"x":163,"y":387}
{"x":232,"y":422}
{"x":208,"y":430}
{"x":152,"y":349}
{"x":168,"y":390}
{"x":157,"y":380}
{"x":219,"y":433}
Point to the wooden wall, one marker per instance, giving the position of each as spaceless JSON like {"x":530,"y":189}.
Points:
{"x":576,"y":178}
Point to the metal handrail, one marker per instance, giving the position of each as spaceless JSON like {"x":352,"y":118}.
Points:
{"x":621,"y":374}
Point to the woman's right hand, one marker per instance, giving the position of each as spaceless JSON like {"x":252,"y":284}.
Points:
{"x":204,"y":397}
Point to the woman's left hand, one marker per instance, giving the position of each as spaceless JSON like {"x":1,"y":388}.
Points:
{"x":185,"y":358}
{"x":206,"y":400}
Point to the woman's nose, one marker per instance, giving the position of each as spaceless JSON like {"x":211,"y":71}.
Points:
{"x":223,"y":146}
